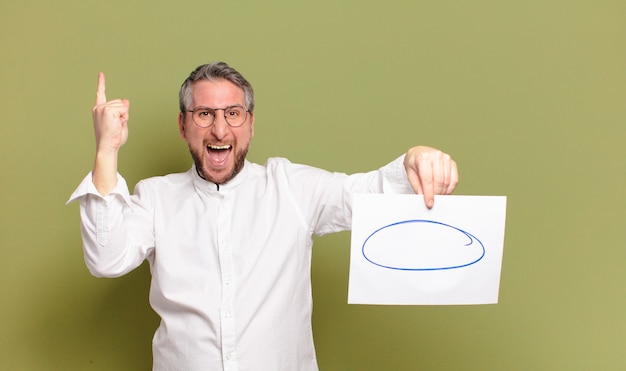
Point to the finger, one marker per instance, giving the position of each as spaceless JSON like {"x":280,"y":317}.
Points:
{"x":426,"y":181}
{"x":100,"y":92}
{"x":126,"y":104}
{"x":439,"y":174}
{"x":447,"y":173}
{"x":454,"y":177}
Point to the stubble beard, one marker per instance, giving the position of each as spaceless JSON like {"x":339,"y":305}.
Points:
{"x":240,"y":160}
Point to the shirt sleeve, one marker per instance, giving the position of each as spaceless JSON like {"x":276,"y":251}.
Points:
{"x":325,"y":198}
{"x":116,"y":228}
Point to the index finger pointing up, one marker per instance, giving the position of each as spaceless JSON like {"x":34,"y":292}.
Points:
{"x":100,"y":95}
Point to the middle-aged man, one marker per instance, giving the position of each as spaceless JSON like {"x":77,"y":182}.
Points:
{"x":229,"y":241}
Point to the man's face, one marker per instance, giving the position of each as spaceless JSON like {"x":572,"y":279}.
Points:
{"x":218,"y":151}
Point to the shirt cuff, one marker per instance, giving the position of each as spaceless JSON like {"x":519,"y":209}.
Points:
{"x":395,"y":179}
{"x":86,"y":187}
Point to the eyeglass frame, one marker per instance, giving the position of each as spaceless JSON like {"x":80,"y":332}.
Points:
{"x":247,"y":111}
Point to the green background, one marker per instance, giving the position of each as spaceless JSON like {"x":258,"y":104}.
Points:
{"x":528,"y":96}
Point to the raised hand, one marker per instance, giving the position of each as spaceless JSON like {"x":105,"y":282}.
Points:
{"x":110,"y":119}
{"x":110,"y":123}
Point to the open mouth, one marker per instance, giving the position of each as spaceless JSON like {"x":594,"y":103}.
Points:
{"x":218,"y":155}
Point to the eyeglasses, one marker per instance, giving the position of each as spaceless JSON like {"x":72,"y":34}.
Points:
{"x":204,"y":116}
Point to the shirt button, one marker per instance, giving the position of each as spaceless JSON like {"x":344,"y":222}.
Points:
{"x":229,"y":357}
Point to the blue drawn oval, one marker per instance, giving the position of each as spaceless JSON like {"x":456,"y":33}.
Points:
{"x":471,"y":238}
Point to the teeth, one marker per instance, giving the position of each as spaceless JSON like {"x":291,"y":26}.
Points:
{"x":210,"y":146}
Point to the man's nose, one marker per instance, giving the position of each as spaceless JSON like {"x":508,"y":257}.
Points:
{"x":220,"y":127}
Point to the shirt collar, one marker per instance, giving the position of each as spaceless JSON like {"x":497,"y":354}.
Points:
{"x":211,"y":188}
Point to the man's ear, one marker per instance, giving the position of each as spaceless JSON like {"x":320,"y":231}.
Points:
{"x":181,"y":124}
{"x":251,"y":124}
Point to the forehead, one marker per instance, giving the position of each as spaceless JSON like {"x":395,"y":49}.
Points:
{"x":217,"y":93}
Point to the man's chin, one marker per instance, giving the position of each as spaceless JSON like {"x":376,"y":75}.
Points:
{"x":218,"y":176}
{"x":222,"y":175}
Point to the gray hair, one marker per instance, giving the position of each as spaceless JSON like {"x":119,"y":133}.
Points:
{"x":212,"y":72}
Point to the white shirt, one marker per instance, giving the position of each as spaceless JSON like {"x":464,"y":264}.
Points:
{"x":230,"y":268}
